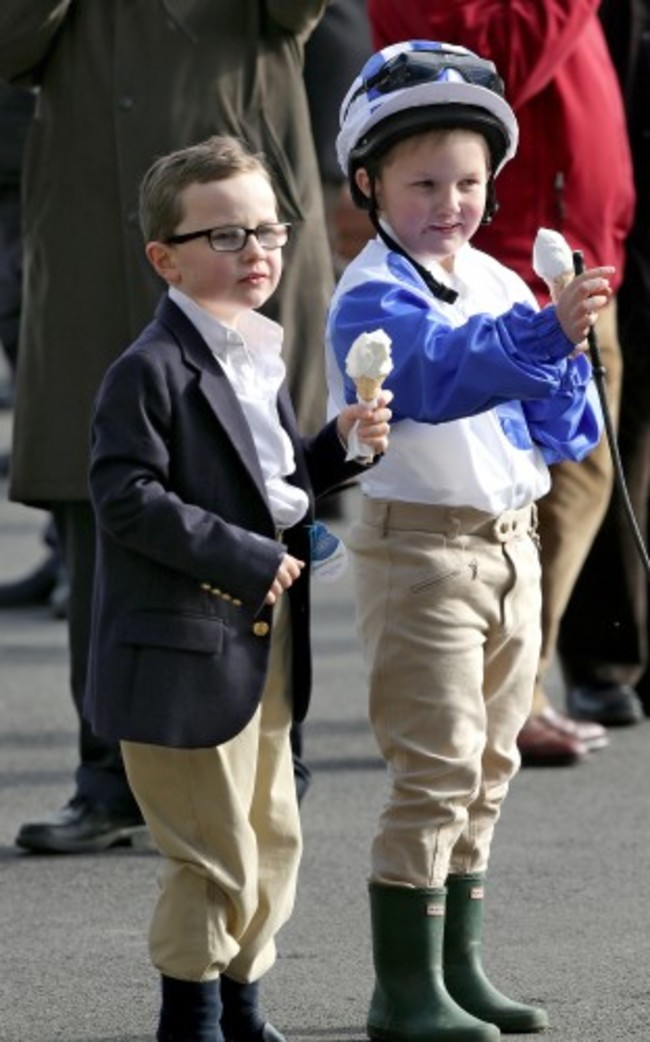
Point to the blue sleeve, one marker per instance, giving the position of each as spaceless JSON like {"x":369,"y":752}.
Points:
{"x":570,"y":424}
{"x":441,"y":372}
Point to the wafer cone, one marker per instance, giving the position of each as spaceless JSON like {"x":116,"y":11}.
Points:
{"x":560,"y":282}
{"x":368,"y":387}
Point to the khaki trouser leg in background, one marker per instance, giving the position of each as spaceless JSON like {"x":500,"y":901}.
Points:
{"x":571,"y":513}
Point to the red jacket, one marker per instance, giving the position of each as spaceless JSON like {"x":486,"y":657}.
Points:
{"x":573,"y":170}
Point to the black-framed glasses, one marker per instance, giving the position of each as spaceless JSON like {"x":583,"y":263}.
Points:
{"x":414,"y":67}
{"x":231,"y":238}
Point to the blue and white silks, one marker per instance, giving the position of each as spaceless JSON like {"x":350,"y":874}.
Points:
{"x":485,"y":395}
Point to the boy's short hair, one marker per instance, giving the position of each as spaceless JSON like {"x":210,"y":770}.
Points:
{"x":382,"y":155}
{"x":215,"y":159}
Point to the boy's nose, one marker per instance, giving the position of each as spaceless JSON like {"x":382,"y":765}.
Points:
{"x":448,"y":199}
{"x":252,"y":247}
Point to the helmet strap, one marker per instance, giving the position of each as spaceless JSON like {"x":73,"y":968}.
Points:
{"x":491,"y":204}
{"x":439,"y":290}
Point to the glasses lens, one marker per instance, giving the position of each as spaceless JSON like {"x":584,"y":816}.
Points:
{"x":271,"y":236}
{"x":233,"y":239}
{"x":227,"y":240}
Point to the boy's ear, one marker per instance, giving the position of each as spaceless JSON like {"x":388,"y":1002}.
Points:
{"x":362,"y":182}
{"x":163,"y":260}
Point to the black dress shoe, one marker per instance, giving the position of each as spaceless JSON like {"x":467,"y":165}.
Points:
{"x":301,"y":777}
{"x":59,"y":599}
{"x":612,"y":705}
{"x":81,"y":828}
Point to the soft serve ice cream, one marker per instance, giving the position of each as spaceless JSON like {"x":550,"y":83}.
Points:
{"x":553,"y":261}
{"x":368,"y":363}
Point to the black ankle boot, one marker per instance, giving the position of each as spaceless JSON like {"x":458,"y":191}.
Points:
{"x":241,"y":1019}
{"x":190,"y":1011}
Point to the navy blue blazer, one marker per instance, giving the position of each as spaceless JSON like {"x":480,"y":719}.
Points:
{"x":187,"y":548}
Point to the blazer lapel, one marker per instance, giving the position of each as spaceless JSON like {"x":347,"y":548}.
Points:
{"x":228,"y":412}
{"x":300,"y":476}
{"x":216,"y":388}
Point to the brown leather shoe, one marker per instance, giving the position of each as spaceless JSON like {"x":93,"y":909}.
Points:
{"x":542,"y":745}
{"x":593,"y":736}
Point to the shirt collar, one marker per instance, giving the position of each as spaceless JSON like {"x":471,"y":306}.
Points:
{"x":252,"y":328}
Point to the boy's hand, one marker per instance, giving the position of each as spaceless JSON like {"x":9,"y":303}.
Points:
{"x":286,"y":575}
{"x":373,"y":419}
{"x":579,"y":303}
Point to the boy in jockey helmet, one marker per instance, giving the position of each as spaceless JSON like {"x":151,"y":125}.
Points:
{"x":488,"y":391}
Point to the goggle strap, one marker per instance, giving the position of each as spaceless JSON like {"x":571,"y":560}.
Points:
{"x":394,"y":74}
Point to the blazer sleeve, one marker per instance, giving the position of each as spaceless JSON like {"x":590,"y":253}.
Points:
{"x":27,"y":31}
{"x":297,"y":16}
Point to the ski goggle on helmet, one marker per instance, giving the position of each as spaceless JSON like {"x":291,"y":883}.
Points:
{"x":416,"y":86}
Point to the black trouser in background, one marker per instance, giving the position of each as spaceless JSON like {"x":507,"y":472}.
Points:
{"x":100,"y":776}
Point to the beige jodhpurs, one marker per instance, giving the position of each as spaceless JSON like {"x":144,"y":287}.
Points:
{"x":449,"y":613}
{"x":226,"y":821}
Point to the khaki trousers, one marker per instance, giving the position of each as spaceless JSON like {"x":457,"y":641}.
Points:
{"x":572,"y":512}
{"x":226,"y":821}
{"x":449,"y":613}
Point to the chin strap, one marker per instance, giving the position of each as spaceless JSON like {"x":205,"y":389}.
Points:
{"x":439,"y":290}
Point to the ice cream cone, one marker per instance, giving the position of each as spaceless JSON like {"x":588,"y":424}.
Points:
{"x":557,"y":284}
{"x":368,"y":388}
{"x":368,"y":363}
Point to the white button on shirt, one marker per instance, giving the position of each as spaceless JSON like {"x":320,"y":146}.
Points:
{"x":251,"y":358}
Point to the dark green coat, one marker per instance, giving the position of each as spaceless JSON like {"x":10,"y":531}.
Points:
{"x":121,"y":82}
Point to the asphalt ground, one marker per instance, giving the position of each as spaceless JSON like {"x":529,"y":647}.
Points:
{"x":567,"y":908}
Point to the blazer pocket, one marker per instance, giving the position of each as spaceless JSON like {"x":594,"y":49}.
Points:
{"x":161,"y":629}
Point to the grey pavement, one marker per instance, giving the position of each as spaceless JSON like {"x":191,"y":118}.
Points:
{"x":568,"y":911}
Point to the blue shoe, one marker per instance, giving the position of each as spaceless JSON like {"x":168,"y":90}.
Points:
{"x":329,"y":557}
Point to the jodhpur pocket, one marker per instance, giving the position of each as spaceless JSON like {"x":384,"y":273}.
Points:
{"x":434,"y":578}
{"x":426,"y":561}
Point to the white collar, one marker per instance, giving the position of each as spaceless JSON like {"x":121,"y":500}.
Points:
{"x":252,"y":328}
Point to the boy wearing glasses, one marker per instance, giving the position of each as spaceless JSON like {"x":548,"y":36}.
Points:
{"x":203,"y":493}
{"x":488,"y":390}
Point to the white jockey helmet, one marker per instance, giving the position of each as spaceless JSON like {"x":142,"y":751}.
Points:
{"x":416,"y":85}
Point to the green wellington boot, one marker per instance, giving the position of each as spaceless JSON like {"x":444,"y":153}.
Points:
{"x":410,"y":1002}
{"x":464,"y":975}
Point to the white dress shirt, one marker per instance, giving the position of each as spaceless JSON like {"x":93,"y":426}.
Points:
{"x":251,"y":358}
